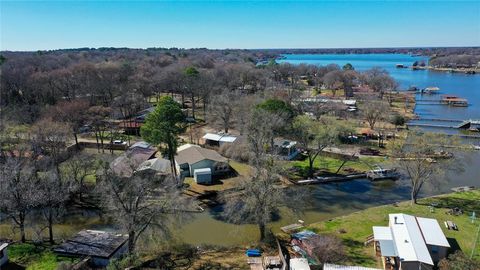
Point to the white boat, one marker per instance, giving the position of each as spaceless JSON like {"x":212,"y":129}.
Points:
{"x":381,"y":174}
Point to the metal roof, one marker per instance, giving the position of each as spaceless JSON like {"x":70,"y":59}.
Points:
{"x":408,"y":239}
{"x":382,"y":233}
{"x":432,"y":232}
{"x":299,"y":264}
{"x":92,"y":243}
{"x":3,"y":246}
{"x":219,"y":137}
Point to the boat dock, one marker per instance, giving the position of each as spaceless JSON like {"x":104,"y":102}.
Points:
{"x":331,"y":179}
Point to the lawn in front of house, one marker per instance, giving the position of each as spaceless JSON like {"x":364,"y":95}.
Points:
{"x":331,"y":165}
{"x":35,"y":257}
{"x":243,"y":172}
{"x":356,"y":227}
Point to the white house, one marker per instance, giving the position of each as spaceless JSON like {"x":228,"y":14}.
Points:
{"x":3,"y":254}
{"x":99,"y":245}
{"x":410,"y":242}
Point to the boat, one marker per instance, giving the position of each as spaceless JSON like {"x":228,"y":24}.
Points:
{"x":400,"y":66}
{"x":382,"y":174}
{"x":430,"y":90}
{"x":464,"y":188}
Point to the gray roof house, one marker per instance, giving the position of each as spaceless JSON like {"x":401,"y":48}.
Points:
{"x":99,"y":245}
{"x":410,"y":242}
{"x":193,"y":157}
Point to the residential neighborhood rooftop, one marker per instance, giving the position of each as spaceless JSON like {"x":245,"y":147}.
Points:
{"x":190,"y":153}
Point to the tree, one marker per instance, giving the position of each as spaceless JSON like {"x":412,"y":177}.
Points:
{"x":18,"y":190}
{"x":53,"y":194}
{"x":163,"y":126}
{"x":458,"y":261}
{"x":257,"y":200}
{"x":380,"y":81}
{"x":327,"y":248}
{"x":76,"y":169}
{"x":348,"y":66}
{"x":315,"y":136}
{"x":416,"y":158}
{"x":222,"y":109}
{"x":277,"y":106}
{"x":98,"y":118}
{"x":137,"y":202}
{"x":72,"y":113}
{"x":50,"y":137}
{"x":374,"y":111}
{"x":397,"y":120}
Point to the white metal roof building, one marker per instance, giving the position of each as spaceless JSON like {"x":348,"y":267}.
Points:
{"x":218,"y":139}
{"x":411,"y":239}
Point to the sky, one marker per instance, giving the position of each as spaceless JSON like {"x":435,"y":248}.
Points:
{"x":40,"y":25}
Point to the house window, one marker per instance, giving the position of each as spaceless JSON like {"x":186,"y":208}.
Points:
{"x":434,"y":249}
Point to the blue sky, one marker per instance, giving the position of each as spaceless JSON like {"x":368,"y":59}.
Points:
{"x":42,"y":25}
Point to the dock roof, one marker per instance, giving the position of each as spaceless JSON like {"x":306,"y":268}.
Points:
{"x":92,"y":243}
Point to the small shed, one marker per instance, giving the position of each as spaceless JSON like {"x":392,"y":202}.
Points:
{"x":3,"y":254}
{"x":99,"y":245}
{"x":203,"y":176}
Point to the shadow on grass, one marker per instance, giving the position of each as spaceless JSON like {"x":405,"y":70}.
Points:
{"x":466,"y":205}
{"x":13,"y":266}
{"x":454,"y":246}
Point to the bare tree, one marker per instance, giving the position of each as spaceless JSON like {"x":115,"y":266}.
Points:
{"x":315,"y":136}
{"x":18,"y":190}
{"x":137,"y":202}
{"x":374,"y":111}
{"x":379,"y":81}
{"x":97,"y":116}
{"x":76,"y":169}
{"x":50,"y":137}
{"x":423,"y":159}
{"x":222,"y":109}
{"x":258,"y":199}
{"x":53,"y":194}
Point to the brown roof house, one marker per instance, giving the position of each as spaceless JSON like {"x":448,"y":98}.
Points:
{"x":100,"y":246}
{"x":200,"y":163}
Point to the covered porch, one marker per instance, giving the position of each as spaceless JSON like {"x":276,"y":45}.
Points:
{"x":384,"y":247}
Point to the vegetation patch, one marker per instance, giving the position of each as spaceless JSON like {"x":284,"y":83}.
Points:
{"x":356,"y":227}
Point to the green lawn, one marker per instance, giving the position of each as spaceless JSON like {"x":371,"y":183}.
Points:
{"x":34,"y":257}
{"x":331,"y":165}
{"x":242,"y":170}
{"x":359,"y":225}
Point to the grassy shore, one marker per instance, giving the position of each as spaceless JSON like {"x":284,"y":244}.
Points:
{"x":358,"y":226}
